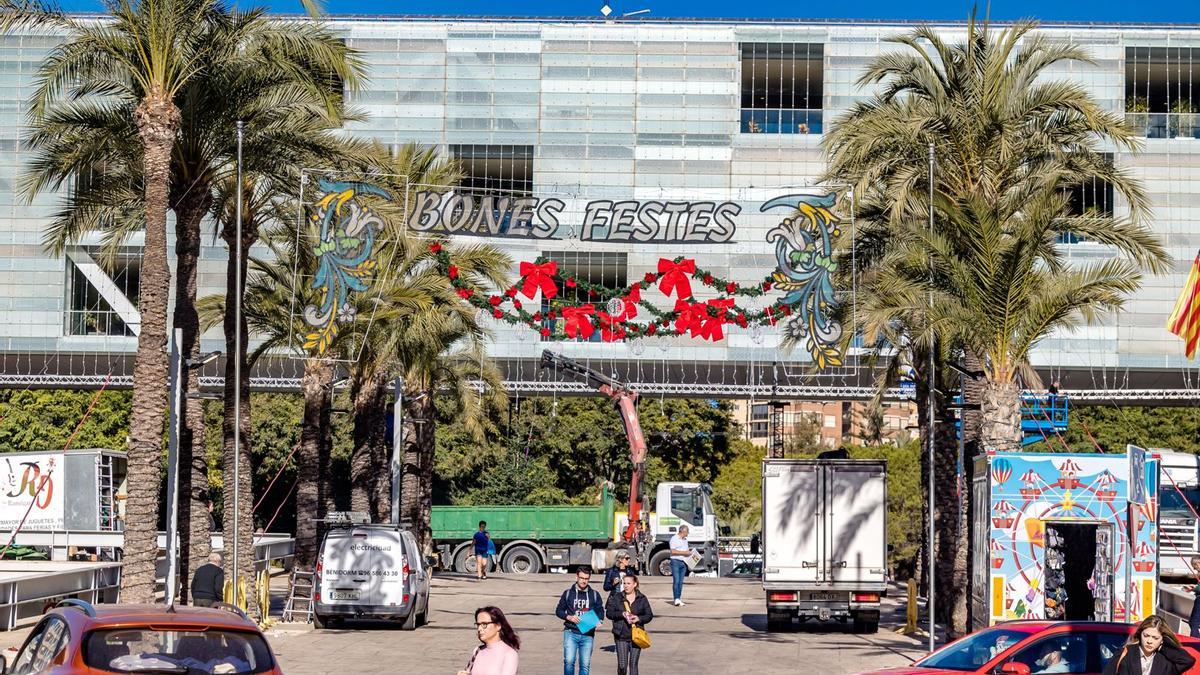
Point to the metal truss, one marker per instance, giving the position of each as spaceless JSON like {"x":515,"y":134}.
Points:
{"x":808,"y":392}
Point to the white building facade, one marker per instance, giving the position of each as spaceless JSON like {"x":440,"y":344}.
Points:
{"x":656,"y":111}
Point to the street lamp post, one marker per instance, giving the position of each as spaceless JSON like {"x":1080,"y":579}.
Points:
{"x":932,"y":574}
{"x":237,"y":370}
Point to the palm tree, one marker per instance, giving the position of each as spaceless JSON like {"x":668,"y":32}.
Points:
{"x":1010,"y":144}
{"x":270,"y":72}
{"x":441,"y":352}
{"x":427,"y":300}
{"x":140,"y":59}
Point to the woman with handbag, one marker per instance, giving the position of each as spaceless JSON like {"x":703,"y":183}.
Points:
{"x":629,"y":612}
{"x":1152,"y":650}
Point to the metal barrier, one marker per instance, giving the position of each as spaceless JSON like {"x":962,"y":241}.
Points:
{"x":27,"y":587}
{"x":268,"y":548}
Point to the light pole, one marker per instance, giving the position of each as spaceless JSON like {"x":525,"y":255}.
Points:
{"x":237,"y":369}
{"x":175,"y":377}
{"x":178,"y":367}
{"x":932,"y":574}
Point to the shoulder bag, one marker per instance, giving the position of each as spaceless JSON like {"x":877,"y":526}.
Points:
{"x":641,"y":639}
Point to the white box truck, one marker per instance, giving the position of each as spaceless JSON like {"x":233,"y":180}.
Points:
{"x":824,"y":541}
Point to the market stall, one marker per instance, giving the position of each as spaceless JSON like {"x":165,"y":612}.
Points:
{"x":1065,"y":537}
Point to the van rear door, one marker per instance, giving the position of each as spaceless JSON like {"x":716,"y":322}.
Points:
{"x":791,"y":522}
{"x":363,"y":566}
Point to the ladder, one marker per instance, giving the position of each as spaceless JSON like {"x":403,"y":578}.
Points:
{"x":106,"y":493}
{"x":299,"y":600}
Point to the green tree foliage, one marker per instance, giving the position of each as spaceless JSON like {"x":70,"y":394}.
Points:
{"x":582,"y":444}
{"x":1114,"y":427}
{"x":737,"y":489}
{"x":44,"y":419}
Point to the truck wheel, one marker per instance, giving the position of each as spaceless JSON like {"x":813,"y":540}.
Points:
{"x":462,"y":559}
{"x":864,"y":626}
{"x":319,"y":621}
{"x":521,"y":560}
{"x":660,"y":564}
{"x":777,"y":623}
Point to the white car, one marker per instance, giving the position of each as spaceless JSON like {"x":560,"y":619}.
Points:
{"x":371,"y":572}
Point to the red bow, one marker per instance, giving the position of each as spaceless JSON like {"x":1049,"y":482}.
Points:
{"x":578,"y":321}
{"x":690,"y":316}
{"x":539,"y":277}
{"x":711,"y":328}
{"x":629,"y":304}
{"x":673,"y":276}
{"x":611,"y":328}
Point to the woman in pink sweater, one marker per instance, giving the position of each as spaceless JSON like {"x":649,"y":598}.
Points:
{"x":498,"y":653}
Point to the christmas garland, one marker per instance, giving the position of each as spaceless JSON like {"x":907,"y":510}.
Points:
{"x":613,"y":311}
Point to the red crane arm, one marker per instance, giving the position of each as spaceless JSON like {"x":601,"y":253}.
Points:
{"x":625,"y":401}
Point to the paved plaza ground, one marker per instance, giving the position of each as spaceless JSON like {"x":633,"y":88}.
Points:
{"x":722,"y":629}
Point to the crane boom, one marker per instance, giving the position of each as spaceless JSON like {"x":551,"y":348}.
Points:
{"x":625,"y":401}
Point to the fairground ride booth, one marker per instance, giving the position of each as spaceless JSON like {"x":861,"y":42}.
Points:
{"x":1065,"y":537}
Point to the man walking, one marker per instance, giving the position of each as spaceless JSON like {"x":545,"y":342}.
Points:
{"x":679,"y":556}
{"x":482,"y":543}
{"x":576,"y":608}
{"x":208,"y":582}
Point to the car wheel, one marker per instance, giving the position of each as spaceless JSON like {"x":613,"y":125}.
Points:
{"x":660,"y":564}
{"x":521,"y":560}
{"x":319,"y":622}
{"x":410,"y":621}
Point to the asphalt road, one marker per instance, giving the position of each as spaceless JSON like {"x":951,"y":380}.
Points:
{"x":722,"y":629}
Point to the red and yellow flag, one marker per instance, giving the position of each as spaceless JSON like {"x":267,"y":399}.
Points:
{"x":1185,"y":320}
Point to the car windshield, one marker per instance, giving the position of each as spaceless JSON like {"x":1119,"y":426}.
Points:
{"x":148,"y":650}
{"x":974,"y":651}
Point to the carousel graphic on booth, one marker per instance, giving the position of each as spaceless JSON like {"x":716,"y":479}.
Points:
{"x":1057,"y":517}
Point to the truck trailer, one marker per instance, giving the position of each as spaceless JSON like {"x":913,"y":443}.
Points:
{"x":530,"y":539}
{"x":824,"y":541}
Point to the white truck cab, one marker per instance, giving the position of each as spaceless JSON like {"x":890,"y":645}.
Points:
{"x":678,"y":504}
{"x":370,"y":571}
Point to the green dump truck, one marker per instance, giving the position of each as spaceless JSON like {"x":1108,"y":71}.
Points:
{"x":530,"y":539}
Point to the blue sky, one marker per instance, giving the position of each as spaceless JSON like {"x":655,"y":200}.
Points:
{"x":1127,"y":11}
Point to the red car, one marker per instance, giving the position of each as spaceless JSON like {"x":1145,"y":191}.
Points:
{"x":1033,"y":648}
{"x":76,"y":637}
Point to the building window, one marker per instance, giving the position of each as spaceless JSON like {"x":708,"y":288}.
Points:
{"x":1162,"y":91}
{"x":595,"y":267}
{"x":1094,"y":197}
{"x":102,"y":301}
{"x":490,"y":169}
{"x":782,"y":88}
{"x":760,"y":411}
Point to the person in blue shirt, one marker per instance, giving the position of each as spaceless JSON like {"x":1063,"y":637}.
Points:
{"x":482,"y":542}
{"x":575,"y":603}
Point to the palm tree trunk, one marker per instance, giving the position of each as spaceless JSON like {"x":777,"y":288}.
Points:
{"x":1000,"y":427}
{"x":316,"y":386}
{"x":370,"y":408}
{"x":157,"y":120}
{"x":410,"y":472}
{"x":972,"y":395}
{"x":231,"y":424}
{"x":195,"y":540}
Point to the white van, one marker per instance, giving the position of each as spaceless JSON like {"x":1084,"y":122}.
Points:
{"x":371,"y":572}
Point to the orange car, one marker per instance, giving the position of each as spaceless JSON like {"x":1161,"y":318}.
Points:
{"x":76,"y":637}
